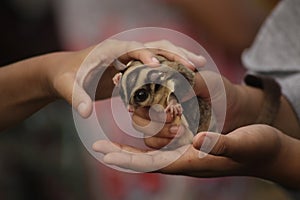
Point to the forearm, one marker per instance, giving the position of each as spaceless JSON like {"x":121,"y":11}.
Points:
{"x":285,"y":168}
{"x":251,"y":105}
{"x":23,"y":90}
{"x":245,"y":104}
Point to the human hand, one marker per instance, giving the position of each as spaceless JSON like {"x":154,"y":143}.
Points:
{"x":66,"y":79}
{"x":171,"y":51}
{"x":212,"y":88}
{"x":256,"y":150}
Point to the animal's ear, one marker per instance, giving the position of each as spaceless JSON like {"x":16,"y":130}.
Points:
{"x":157,"y":76}
{"x":117,"y":78}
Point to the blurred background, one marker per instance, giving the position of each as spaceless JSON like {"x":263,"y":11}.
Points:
{"x":43,"y":157}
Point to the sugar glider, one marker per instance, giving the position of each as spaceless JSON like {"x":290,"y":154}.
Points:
{"x":144,"y":86}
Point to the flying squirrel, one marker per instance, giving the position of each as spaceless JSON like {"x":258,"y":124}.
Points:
{"x":144,"y":86}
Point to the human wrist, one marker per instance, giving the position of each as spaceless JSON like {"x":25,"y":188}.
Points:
{"x":57,"y":66}
{"x":31,"y":74}
{"x":284,"y":168}
{"x":260,"y":100}
{"x":46,"y":72}
{"x":249,"y":101}
{"x":271,"y":97}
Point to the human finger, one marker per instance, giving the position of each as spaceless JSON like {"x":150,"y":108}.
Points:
{"x":213,"y":143}
{"x":144,"y":55}
{"x":149,"y":128}
{"x":106,"y":146}
{"x":174,"y":53}
{"x":165,"y":139}
{"x":143,"y":162}
{"x":158,"y":129}
{"x":180,"y":161}
{"x":197,"y":60}
{"x":136,"y":50}
{"x":240,"y":144}
{"x":81,"y":101}
{"x":157,"y":142}
{"x":169,"y":50}
{"x":190,"y":164}
{"x":109,"y":52}
{"x":153,"y":115}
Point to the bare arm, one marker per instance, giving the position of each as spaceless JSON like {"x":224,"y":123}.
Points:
{"x":245,"y":103}
{"x":23,"y":90}
{"x":27,"y":86}
{"x":243,"y":107}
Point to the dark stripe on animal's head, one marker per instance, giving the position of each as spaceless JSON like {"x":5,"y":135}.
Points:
{"x":122,"y":95}
{"x":130,"y":81}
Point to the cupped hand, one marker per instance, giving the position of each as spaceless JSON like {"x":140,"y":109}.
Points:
{"x":71,"y":73}
{"x":176,"y":53}
{"x":220,"y":93}
{"x":255,"y":150}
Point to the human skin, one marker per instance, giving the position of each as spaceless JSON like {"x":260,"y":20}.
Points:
{"x":29,"y":85}
{"x":245,"y":148}
{"x":243,"y":106}
{"x":255,"y":150}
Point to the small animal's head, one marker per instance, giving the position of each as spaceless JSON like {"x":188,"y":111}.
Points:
{"x":142,"y":86}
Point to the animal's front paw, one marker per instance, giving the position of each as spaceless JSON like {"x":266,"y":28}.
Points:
{"x":174,"y":109}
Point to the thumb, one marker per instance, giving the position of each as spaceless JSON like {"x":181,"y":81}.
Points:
{"x":74,"y":94}
{"x":213,"y":143}
{"x":81,"y":101}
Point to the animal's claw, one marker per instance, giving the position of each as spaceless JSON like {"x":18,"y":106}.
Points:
{"x":174,"y":109}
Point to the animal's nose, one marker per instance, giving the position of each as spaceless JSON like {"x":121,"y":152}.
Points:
{"x":130,"y":108}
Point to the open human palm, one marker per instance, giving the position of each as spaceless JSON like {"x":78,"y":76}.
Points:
{"x":255,"y":150}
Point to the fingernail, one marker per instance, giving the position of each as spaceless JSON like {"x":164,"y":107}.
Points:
{"x":192,"y":63}
{"x":174,"y":129}
{"x":206,"y":145}
{"x":202,"y":154}
{"x":202,"y":60}
{"x":82,"y":108}
{"x":155,"y":60}
{"x":108,"y":159}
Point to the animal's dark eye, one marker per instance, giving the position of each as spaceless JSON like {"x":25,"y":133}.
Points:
{"x":141,"y":95}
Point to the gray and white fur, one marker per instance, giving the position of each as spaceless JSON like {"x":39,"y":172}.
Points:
{"x":144,"y":86}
